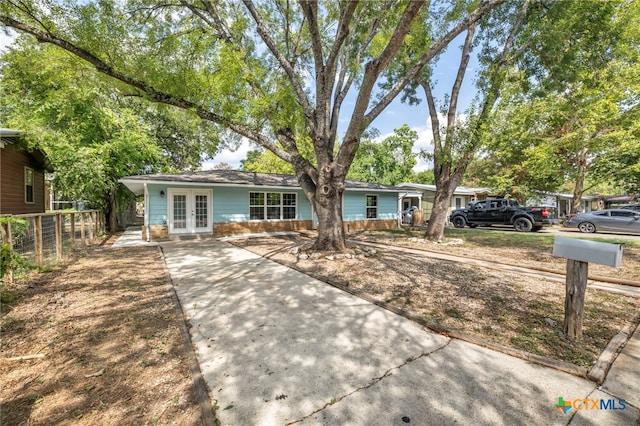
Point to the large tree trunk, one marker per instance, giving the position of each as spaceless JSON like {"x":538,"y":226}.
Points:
{"x":113,"y":220}
{"x":438,"y":218}
{"x":331,"y":235}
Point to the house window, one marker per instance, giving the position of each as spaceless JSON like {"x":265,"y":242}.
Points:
{"x":28,"y":185}
{"x":272,"y":205}
{"x":372,"y":206}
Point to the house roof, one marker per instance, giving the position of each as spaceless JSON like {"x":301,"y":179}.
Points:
{"x":9,"y":133}
{"x":460,"y":190}
{"x":237,"y":178}
{"x":568,"y":196}
{"x":8,"y":136}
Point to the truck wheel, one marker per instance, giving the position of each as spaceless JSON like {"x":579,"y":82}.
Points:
{"x":459,"y":222}
{"x":522,"y":224}
{"x":587,"y":227}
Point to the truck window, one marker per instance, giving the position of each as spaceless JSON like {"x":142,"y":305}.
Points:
{"x":480,"y":205}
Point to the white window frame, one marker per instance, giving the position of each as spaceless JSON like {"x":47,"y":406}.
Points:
{"x":266,"y":206}
{"x":368,"y":207}
{"x":27,"y":171}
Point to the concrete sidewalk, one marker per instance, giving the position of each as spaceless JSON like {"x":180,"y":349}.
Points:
{"x":278,"y":347}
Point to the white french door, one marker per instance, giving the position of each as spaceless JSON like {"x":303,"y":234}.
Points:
{"x":190,"y":211}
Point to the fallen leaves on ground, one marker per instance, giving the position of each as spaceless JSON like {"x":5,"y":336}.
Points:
{"x":109,"y":348}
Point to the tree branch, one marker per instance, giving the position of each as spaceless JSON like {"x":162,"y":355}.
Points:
{"x":284,"y":62}
{"x":372,"y":70}
{"x":150,"y":92}
{"x":455,"y":90}
{"x":477,"y":14}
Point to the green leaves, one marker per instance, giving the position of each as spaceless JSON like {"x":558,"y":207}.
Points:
{"x":92,"y":135}
{"x":389,"y":162}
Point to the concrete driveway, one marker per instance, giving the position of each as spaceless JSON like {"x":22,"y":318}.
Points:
{"x":278,"y":347}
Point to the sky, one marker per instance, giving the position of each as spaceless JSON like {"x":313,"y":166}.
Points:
{"x":394,"y":116}
{"x":398,"y":114}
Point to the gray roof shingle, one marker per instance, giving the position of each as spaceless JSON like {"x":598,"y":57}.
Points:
{"x":235,"y":177}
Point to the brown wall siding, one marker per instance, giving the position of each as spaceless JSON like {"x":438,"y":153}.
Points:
{"x":369,"y":225}
{"x":12,"y":196}
{"x":160,"y":232}
{"x":222,"y":229}
{"x":156,"y":232}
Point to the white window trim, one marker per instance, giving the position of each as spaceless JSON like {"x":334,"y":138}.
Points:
{"x":33,"y":179}
{"x":376,"y":207}
{"x":266,"y":205}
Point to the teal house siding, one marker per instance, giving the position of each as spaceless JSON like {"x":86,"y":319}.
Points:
{"x":157,"y":204}
{"x":387,"y":205}
{"x":354,"y":206}
{"x":304,"y":206}
{"x":229,"y":210}
{"x":230,"y":204}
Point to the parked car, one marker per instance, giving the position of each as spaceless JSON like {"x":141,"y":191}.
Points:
{"x":614,"y":220}
{"x":635,"y":207}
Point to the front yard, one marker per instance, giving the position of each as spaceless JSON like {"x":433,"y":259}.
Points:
{"x":504,"y":308}
{"x":95,"y":342}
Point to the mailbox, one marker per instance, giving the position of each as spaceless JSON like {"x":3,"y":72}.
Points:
{"x":588,"y":251}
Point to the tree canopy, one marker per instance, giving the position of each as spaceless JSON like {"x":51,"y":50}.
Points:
{"x":389,"y":161}
{"x":570,"y":118}
{"x":274,"y":72}
{"x":92,"y":136}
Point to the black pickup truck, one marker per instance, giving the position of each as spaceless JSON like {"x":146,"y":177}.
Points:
{"x":502,"y":211}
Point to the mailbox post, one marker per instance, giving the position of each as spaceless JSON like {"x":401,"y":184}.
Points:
{"x":578,"y":254}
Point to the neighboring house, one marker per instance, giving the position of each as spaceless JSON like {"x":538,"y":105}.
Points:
{"x":22,"y":187}
{"x":426,"y":195}
{"x":227,"y":202}
{"x":588,"y":203}
{"x":563,"y":202}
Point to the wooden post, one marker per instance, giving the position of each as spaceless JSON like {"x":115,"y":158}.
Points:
{"x":94,"y":225}
{"x":73,"y":231}
{"x":91,"y":225}
{"x":82,"y":237}
{"x":576,"y":285}
{"x":37,"y":235}
{"x":58,"y":236}
{"x":6,"y":237}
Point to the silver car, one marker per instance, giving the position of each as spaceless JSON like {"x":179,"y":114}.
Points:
{"x":612,"y":220}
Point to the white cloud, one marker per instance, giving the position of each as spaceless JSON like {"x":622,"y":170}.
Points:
{"x":230,"y":157}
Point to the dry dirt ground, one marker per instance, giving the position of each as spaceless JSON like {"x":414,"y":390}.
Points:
{"x":100,"y":344}
{"x":503,"y":308}
{"x":96,"y":340}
